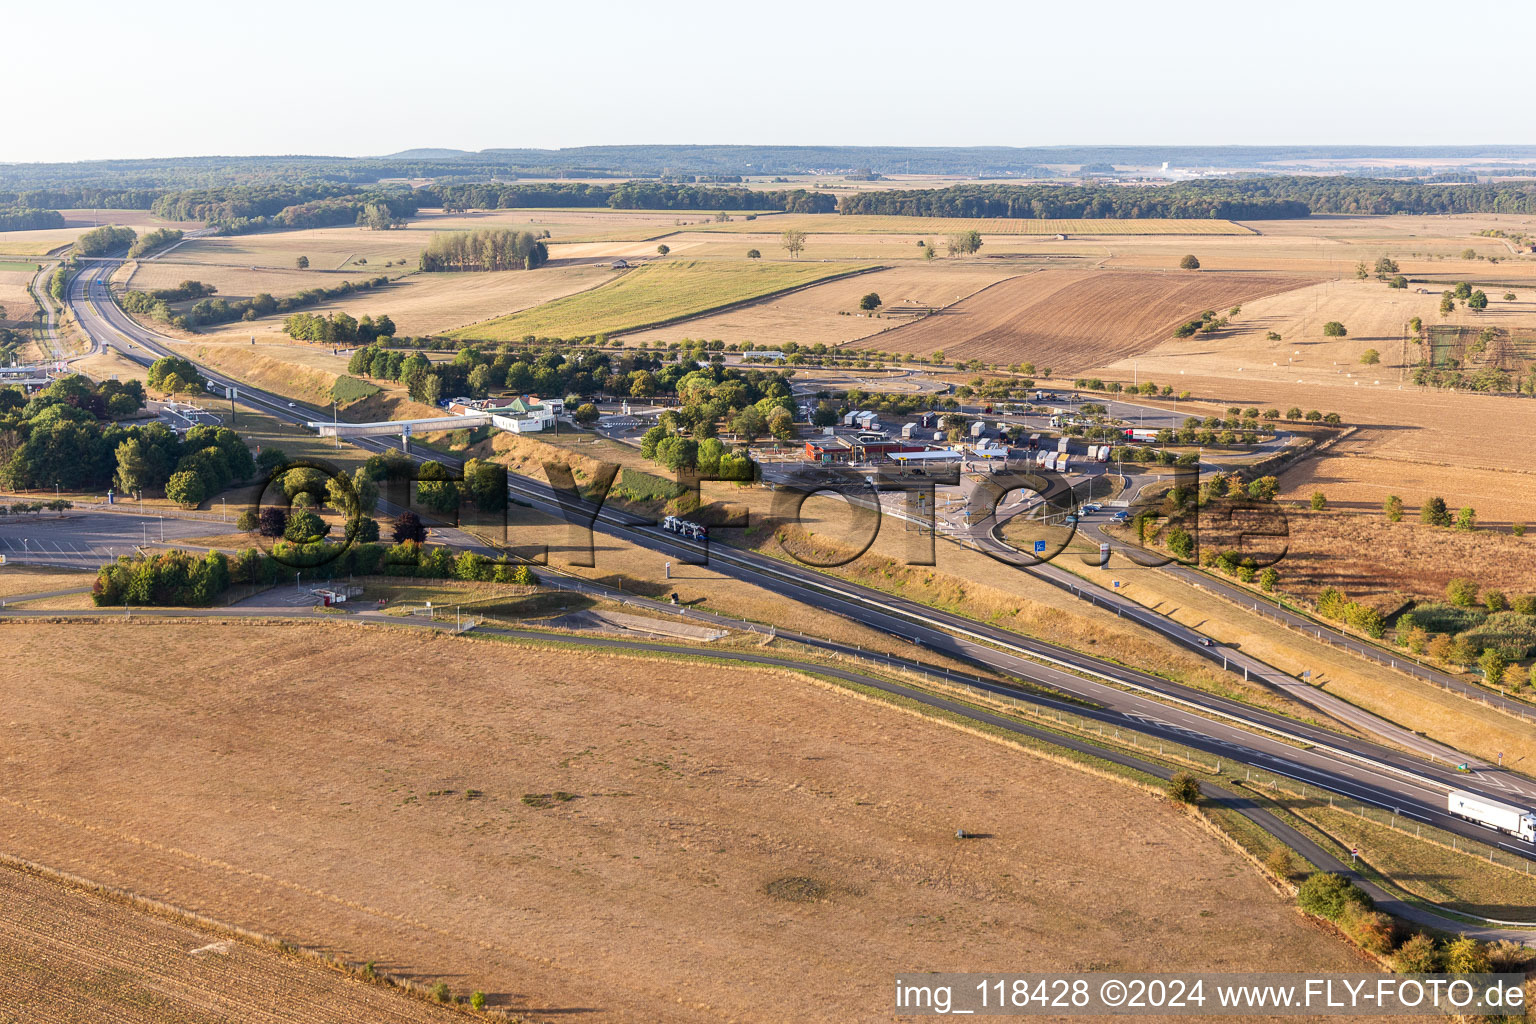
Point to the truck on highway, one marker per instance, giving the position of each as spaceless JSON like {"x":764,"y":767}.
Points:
{"x":1138,"y":434}
{"x":1516,"y":821}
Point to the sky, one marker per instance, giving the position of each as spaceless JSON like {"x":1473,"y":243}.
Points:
{"x":160,"y":78}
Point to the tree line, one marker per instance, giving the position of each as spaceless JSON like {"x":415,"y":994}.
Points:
{"x":1182,"y":200}
{"x":22,"y":218}
{"x":153,"y":242}
{"x":207,"y":310}
{"x":491,"y":249}
{"x":244,"y":209}
{"x":105,"y":239}
{"x":339,"y":328}
{"x":631,"y":195}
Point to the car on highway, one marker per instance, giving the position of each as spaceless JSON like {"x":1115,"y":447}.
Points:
{"x":293,"y":405}
{"x":1205,"y":641}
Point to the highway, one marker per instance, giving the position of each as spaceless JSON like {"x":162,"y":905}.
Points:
{"x":1408,"y":782}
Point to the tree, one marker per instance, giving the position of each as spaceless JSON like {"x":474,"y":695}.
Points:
{"x":1393,"y":507}
{"x":1434,"y":512}
{"x":1360,"y":271}
{"x":1269,"y":579}
{"x":272,"y":521}
{"x":480,"y":381}
{"x":304,"y":527}
{"x":1477,"y":300}
{"x":1319,"y":501}
{"x":408,"y":527}
{"x":663,"y":249}
{"x":302,"y":263}
{"x":793,"y":241}
{"x":781,"y":423}
{"x":753,"y":254}
{"x":1461,"y":592}
{"x":965,"y":243}
{"x":1189,"y":263}
{"x":749,"y":424}
{"x":1494,"y":664}
{"x":1415,"y":324}
{"x":1447,"y":304}
{"x":247,"y":522}
{"x":1184,"y":788}
{"x":1466,"y":519}
{"x":132,"y":467}
{"x":1334,"y":329}
{"x":186,"y":489}
{"x":585,"y":414}
{"x":870,"y":301}
{"x":1385,"y":266}
{"x":1370,"y":357}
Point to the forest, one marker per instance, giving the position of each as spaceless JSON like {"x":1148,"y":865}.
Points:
{"x":632,"y":195}
{"x":29,"y":219}
{"x":1256,"y":198}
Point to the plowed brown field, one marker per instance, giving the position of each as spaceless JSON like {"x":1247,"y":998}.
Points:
{"x":1076,"y":319}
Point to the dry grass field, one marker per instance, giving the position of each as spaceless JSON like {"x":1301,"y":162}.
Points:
{"x":659,"y":836}
{"x":1384,"y":563}
{"x":16,"y":580}
{"x":1074,"y":320}
{"x":939,"y":227}
{"x":236,"y":282}
{"x":72,"y":956}
{"x":76,"y":223}
{"x":829,"y":313}
{"x":652,"y":293}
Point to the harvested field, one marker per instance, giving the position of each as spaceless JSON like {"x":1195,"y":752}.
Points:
{"x":941,"y":226}
{"x":16,"y":580}
{"x":77,"y":223}
{"x":236,"y":282}
{"x":1073,"y":320}
{"x":653,"y":293}
{"x":15,"y":299}
{"x":72,"y":956}
{"x":389,"y":823}
{"x":830,"y":313}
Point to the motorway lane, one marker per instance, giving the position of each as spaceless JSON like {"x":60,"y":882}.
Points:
{"x":1367,"y":771}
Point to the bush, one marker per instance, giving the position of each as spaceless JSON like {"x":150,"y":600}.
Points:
{"x":1461,"y":592}
{"x":1511,"y":634}
{"x":1371,"y":930}
{"x":1464,"y":955}
{"x":440,"y":992}
{"x":1443,"y":618}
{"x":248,"y":521}
{"x":1319,"y":501}
{"x":1189,"y":263}
{"x":1328,"y":895}
{"x":1280,"y":862}
{"x":1184,"y":788}
{"x":1418,"y":955}
{"x":477,"y":1000}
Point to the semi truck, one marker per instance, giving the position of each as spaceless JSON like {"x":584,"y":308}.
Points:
{"x":1138,"y":434}
{"x":1516,"y":821}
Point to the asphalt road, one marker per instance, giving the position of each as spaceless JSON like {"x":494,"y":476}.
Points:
{"x":1369,"y":772}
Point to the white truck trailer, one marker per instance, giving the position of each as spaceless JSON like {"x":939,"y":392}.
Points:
{"x":1517,"y":821}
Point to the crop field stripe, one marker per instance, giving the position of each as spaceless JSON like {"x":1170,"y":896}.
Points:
{"x":893,"y":224}
{"x":632,"y":302}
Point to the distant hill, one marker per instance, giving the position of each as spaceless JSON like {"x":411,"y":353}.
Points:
{"x":429,"y":154}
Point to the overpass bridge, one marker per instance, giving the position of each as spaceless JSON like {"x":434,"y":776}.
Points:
{"x":405,"y":428}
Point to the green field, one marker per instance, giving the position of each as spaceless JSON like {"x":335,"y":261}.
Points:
{"x":654,"y":294}
{"x":837,"y":224}
{"x":18,"y":267}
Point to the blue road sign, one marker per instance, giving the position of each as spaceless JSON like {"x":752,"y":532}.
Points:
{"x":1039,"y":547}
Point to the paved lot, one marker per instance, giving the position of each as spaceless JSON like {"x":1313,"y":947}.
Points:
{"x":84,"y":540}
